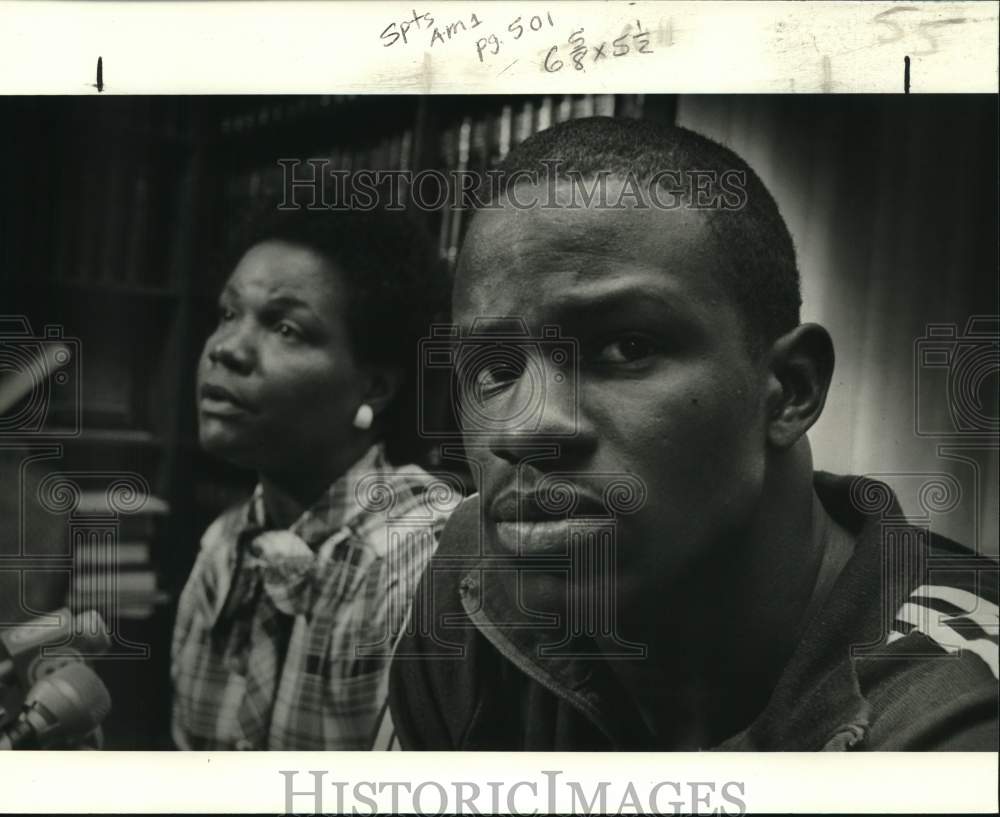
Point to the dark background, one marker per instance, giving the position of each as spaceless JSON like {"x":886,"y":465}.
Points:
{"x":117,"y":214}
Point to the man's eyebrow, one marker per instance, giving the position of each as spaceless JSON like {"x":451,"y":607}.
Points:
{"x":512,"y":325}
{"x":591,"y":304}
{"x":595,"y":301}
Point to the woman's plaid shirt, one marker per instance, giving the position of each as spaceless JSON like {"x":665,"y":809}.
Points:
{"x":373,"y":533}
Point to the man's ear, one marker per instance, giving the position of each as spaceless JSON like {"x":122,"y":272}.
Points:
{"x":383,"y":385}
{"x":801,"y":365}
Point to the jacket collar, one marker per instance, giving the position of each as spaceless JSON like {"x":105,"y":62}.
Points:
{"x":570,"y":669}
{"x":817,"y":702}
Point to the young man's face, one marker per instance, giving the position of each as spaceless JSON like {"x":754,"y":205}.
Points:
{"x":667,"y":391}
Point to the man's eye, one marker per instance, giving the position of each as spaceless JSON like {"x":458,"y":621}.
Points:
{"x":496,"y":376}
{"x":486,"y":374}
{"x":628,"y":349}
{"x":226,"y":314}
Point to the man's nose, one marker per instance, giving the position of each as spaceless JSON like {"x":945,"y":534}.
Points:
{"x":234,"y":347}
{"x":533,"y":414}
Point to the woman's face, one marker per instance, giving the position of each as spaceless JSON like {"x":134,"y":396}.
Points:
{"x":278,"y":383}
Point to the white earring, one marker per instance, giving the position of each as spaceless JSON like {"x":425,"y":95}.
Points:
{"x":364,"y":417}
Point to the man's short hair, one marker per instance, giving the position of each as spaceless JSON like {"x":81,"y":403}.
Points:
{"x":762,"y":273}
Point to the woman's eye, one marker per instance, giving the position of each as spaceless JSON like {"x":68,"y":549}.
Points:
{"x":627,"y":350}
{"x":288,"y":330}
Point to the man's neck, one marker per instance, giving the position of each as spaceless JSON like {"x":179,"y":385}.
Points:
{"x":719,"y":641}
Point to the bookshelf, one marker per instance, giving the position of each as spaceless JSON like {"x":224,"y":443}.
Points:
{"x":116,"y":224}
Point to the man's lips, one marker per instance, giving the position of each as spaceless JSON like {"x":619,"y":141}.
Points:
{"x":551,"y":537}
{"x":219,"y":400}
{"x":529,"y":507}
{"x":541,"y":522}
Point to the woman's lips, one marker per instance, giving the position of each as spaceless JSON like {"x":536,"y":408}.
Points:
{"x":220,"y":402}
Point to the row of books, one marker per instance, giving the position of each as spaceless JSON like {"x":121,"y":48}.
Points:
{"x":104,"y":235}
{"x":470,"y":142}
{"x":113,"y":568}
{"x":109,"y":203}
{"x":108,"y":211}
{"x":252,"y":192}
{"x":477,"y":143}
{"x":269,"y":111}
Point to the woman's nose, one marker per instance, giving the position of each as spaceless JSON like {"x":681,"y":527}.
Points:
{"x":232,"y":348}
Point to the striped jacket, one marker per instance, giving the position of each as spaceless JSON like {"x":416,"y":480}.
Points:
{"x":901,"y":655}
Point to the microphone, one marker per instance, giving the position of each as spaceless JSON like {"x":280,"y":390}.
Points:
{"x":69,"y":703}
{"x":22,"y":658}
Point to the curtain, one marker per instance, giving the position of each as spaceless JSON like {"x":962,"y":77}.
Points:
{"x":892,"y":203}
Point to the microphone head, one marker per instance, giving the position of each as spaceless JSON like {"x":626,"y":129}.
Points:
{"x":88,"y":638}
{"x":74,"y":699}
{"x":91,"y":633}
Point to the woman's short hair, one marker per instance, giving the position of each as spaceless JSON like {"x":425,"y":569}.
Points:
{"x":397,"y":288}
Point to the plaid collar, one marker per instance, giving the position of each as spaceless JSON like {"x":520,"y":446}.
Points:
{"x":339,"y":508}
{"x":334,"y":518}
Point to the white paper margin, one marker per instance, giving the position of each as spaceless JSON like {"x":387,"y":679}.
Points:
{"x":711,"y":46}
{"x":335,"y":47}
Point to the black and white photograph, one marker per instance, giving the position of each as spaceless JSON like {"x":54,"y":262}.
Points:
{"x":522,"y":422}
